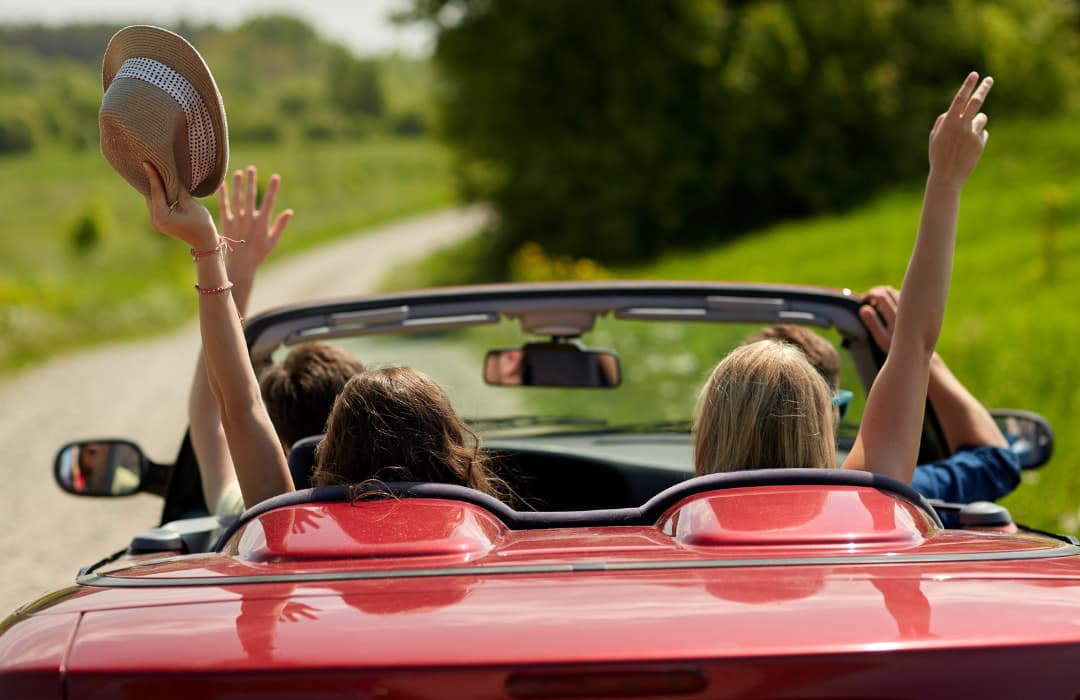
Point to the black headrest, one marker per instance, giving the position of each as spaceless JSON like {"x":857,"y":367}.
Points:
{"x":302,"y":460}
{"x":647,"y":514}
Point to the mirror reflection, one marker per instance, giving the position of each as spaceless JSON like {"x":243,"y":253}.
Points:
{"x":100,"y":468}
{"x":1028,"y":434}
{"x":556,"y":364}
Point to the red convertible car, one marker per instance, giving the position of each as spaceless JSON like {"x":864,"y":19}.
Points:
{"x":619,"y":576}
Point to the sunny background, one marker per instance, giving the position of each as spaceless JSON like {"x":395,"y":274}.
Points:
{"x":694,"y":139}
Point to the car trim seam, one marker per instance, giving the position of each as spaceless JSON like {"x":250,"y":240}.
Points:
{"x":109,"y":581}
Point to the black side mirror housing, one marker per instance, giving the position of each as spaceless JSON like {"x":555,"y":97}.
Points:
{"x":107,"y":468}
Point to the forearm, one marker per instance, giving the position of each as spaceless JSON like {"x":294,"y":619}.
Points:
{"x":962,"y":417}
{"x":243,"y":284}
{"x":261,"y":468}
{"x":224,"y":348}
{"x":891,"y":429}
{"x":926,"y":283}
{"x":256,"y":453}
{"x":207,"y":436}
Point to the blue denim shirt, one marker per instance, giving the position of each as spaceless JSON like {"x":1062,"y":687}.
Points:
{"x":982,"y":473}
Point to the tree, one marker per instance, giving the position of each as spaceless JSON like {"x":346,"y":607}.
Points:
{"x":353,"y":85}
{"x":612,"y":129}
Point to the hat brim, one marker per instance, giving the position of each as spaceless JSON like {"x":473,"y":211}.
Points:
{"x":146,"y":41}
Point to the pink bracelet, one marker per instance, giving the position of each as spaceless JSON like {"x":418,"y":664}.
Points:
{"x":223,"y":242}
{"x":197,"y":255}
{"x":215,"y":290}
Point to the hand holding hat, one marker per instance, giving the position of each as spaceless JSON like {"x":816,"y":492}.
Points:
{"x":161,"y":106}
{"x":185,"y":219}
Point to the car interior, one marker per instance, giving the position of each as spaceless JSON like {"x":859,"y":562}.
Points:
{"x":582,"y":396}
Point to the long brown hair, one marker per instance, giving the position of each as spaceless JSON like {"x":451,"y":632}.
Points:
{"x":763,"y":406}
{"x":397,"y":424}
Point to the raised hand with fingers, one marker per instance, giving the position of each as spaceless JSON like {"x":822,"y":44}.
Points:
{"x":242,"y":219}
{"x":959,"y":135}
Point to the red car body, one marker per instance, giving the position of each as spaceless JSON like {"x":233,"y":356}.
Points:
{"x":799,"y":590}
{"x":789,"y":583}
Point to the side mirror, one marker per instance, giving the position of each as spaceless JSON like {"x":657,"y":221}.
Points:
{"x":558,"y":364}
{"x":1029,"y":434}
{"x":100,"y":468}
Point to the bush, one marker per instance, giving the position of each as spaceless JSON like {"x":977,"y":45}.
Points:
{"x":87,"y":231}
{"x":295,"y":105}
{"x":531,"y":264}
{"x":409,"y":124}
{"x":16,"y":133}
{"x":322,"y":128}
{"x":256,"y":130}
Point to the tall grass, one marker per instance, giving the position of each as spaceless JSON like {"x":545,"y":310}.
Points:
{"x":79,"y":262}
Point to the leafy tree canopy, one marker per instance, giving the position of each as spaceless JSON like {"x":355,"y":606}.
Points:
{"x":612,"y":129}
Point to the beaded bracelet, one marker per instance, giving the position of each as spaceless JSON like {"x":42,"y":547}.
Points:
{"x":214,"y":290}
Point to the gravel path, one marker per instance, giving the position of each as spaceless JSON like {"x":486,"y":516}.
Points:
{"x":138,"y":390}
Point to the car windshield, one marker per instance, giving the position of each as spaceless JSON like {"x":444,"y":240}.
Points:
{"x":663,"y":366}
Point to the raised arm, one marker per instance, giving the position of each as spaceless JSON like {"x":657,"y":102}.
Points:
{"x":891,"y":428}
{"x":241,"y":220}
{"x":253,"y":445}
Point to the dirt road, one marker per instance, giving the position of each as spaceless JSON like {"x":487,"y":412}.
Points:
{"x":138,"y":390}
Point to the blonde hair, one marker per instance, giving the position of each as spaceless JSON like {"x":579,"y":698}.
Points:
{"x":764,"y":405}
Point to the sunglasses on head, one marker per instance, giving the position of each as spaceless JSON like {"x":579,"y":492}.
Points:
{"x":842,"y":400}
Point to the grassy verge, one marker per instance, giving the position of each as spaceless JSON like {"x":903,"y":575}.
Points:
{"x":1012,"y":331}
{"x":80,"y":263}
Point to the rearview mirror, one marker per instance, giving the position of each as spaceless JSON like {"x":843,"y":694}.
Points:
{"x":555,"y":364}
{"x":100,"y":468}
{"x":1030,"y":437}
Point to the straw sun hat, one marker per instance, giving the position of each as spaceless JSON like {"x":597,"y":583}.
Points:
{"x":161,"y":105}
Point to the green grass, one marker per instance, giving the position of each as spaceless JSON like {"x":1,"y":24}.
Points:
{"x":133,"y":281}
{"x":1012,"y":330}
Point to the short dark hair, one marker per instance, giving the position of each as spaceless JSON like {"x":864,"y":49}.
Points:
{"x":300,"y":390}
{"x":821,"y":353}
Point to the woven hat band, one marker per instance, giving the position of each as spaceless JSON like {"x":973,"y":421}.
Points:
{"x":202,"y":146}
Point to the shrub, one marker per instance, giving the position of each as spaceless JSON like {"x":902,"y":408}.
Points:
{"x":88,"y":230}
{"x":321,"y":128}
{"x":531,"y":264}
{"x":256,"y":130}
{"x":409,"y":124}
{"x":16,"y":133}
